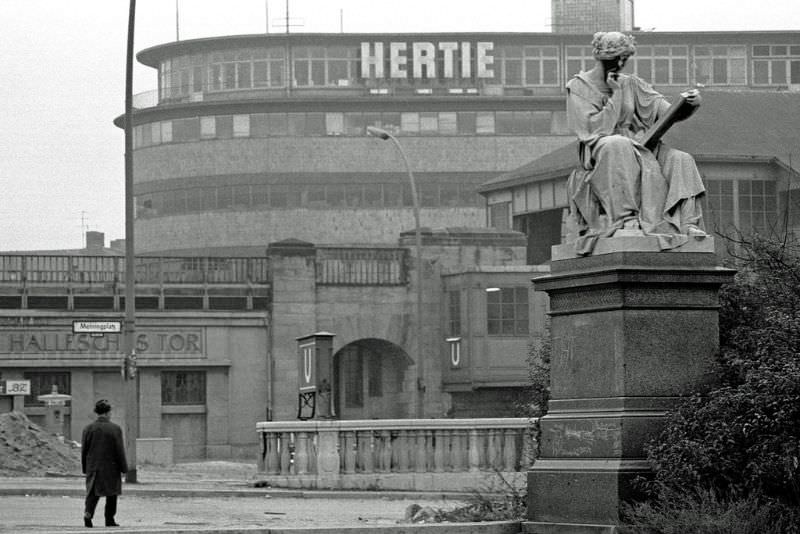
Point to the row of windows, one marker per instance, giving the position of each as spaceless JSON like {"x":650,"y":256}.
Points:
{"x":506,"y":312}
{"x":747,"y":205}
{"x":260,"y":125}
{"x":513,"y":66}
{"x":261,"y":196}
{"x":177,"y":387}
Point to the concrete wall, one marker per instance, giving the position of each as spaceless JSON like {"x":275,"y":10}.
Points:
{"x":232,"y":350}
{"x":229,"y":228}
{"x":492,"y":154}
{"x":213,"y":162}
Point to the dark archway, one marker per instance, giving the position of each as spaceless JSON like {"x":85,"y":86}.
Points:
{"x":369,"y":375}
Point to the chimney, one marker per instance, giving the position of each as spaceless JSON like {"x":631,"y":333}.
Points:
{"x":117,"y":244}
{"x":95,"y":241}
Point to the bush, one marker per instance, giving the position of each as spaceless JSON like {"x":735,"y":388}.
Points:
{"x":705,"y":512}
{"x":743,"y":438}
{"x":497,"y":500}
{"x":738,"y":446}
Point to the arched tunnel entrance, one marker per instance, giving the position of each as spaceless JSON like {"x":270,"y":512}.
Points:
{"x":369,"y":375}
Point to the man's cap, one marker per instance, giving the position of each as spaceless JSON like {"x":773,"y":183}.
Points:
{"x":102,"y":406}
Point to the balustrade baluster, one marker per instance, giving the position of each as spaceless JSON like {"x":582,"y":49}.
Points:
{"x":272,"y":460}
{"x":420,"y":453}
{"x":365,"y":457}
{"x":438,"y":451}
{"x":261,"y":464}
{"x":402,"y":451}
{"x":312,"y":451}
{"x":301,"y":453}
{"x":492,"y":449}
{"x":349,"y":452}
{"x":285,"y":444}
{"x":474,"y":452}
{"x":510,"y":449}
{"x":458,"y":446}
{"x":385,"y":458}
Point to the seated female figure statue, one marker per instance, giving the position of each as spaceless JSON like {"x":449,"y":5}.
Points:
{"x":620,"y":183}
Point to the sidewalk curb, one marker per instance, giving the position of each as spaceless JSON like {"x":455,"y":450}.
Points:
{"x":245,"y":492}
{"x":489,"y":527}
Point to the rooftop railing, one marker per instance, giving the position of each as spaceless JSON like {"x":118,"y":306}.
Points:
{"x":361,"y":266}
{"x":51,"y":269}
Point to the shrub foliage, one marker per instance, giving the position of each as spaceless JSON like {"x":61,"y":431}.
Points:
{"x":743,"y":438}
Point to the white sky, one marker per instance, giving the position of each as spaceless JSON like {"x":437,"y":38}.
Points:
{"x":62,"y":81}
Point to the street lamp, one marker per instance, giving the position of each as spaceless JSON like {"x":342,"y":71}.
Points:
{"x":130,"y":383}
{"x":419,"y":382}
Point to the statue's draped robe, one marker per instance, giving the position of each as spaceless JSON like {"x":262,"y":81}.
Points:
{"x":619,"y":179}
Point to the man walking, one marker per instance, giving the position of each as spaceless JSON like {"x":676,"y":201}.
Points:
{"x":103,"y":462}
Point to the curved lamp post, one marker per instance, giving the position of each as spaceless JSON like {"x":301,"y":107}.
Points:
{"x":130,"y":384}
{"x":420,"y":383}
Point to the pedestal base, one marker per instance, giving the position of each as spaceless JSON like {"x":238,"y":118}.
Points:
{"x":633,"y":331}
{"x":535,"y":527}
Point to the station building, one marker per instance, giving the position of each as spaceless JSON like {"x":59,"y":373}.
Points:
{"x":265,"y":213}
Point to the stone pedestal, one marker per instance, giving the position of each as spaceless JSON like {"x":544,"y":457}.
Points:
{"x":633,"y":330}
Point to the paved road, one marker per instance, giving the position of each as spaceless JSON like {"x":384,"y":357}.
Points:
{"x":216,"y":497}
{"x":21,"y":514}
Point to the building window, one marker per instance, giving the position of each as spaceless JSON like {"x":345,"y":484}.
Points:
{"x":541,"y":65}
{"x":719,"y":199}
{"x":507,"y":311}
{"x":42,"y":383}
{"x":454,"y":313}
{"x":183,"y":387}
{"x":742,"y":205}
{"x":579,"y":58}
{"x":757,"y":206}
{"x":666,"y":65}
{"x":317,"y":66}
{"x":514,"y":122}
{"x":720,"y":65}
{"x":241,"y":125}
{"x":500,"y":215}
{"x":776,"y":64}
{"x":208,"y":127}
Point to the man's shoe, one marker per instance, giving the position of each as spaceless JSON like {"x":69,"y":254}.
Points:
{"x":111,"y":524}
{"x":87,"y":522}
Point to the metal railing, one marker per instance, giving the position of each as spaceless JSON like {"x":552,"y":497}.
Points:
{"x":361,"y":266}
{"x":45,"y":269}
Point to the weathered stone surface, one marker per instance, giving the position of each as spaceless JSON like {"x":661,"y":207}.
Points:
{"x":633,"y":331}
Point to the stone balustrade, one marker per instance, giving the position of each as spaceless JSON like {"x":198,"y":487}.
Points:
{"x":400,"y":454}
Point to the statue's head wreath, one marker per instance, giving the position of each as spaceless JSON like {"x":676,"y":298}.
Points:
{"x":611,"y":45}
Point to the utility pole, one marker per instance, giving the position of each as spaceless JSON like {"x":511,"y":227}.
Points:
{"x":130,"y":383}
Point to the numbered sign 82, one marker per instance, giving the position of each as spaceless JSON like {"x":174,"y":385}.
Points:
{"x":16,"y":387}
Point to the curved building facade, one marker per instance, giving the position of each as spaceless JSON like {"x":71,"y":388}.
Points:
{"x":253,"y":139}
{"x":257,"y":138}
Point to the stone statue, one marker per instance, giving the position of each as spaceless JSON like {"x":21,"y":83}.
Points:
{"x":622,"y":187}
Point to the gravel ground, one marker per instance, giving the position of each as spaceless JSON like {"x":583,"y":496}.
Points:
{"x":59,"y":514}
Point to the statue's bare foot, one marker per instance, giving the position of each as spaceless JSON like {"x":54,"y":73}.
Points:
{"x":631,"y":224}
{"x":695,"y":232}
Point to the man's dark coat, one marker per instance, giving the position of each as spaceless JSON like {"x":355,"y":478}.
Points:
{"x":103,"y":457}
